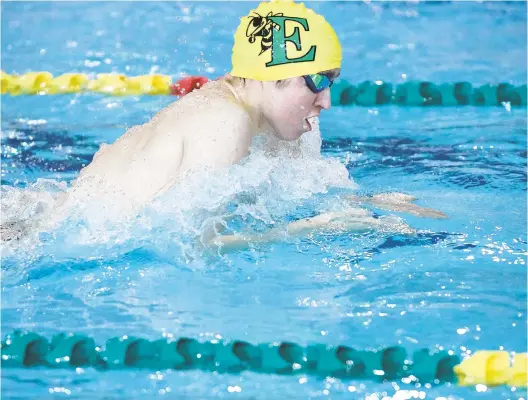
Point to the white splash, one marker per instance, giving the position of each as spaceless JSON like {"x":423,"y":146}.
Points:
{"x":261,"y":191}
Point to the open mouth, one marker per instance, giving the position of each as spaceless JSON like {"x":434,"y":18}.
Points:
{"x":306,"y":125}
{"x":311,"y":122}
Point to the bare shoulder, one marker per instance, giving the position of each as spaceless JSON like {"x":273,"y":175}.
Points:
{"x":206,"y":111}
{"x":216,"y":130}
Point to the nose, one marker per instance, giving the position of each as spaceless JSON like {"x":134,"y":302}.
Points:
{"x":323,"y":99}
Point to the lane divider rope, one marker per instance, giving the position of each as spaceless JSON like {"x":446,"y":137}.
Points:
{"x":367,"y":93}
{"x":23,"y":349}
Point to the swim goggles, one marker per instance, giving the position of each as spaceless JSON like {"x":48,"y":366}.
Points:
{"x":317,"y":82}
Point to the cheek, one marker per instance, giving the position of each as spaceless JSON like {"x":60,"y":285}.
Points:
{"x":295,"y":106}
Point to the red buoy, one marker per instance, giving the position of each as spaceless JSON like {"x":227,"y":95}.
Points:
{"x":187,"y":85}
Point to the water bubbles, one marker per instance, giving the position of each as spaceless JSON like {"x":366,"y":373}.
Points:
{"x":59,"y":390}
{"x":481,"y":388}
{"x":462,"y":331}
{"x":91,"y":64}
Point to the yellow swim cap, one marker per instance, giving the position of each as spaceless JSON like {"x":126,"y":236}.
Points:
{"x":281,"y":39}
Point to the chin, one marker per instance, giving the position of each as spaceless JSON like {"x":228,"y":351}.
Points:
{"x":291,"y":136}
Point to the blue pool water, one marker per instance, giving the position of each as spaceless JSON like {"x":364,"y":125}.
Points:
{"x":459,"y":283}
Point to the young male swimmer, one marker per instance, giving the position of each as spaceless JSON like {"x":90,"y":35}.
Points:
{"x":285,"y":58}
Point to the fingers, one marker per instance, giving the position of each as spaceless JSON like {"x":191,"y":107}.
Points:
{"x":414,"y":210}
{"x":401,"y":202}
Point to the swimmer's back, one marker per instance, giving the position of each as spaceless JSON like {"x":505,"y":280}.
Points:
{"x":206,"y":128}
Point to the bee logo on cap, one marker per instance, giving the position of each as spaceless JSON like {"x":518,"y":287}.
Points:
{"x":271,"y":30}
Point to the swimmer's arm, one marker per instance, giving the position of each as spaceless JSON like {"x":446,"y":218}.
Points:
{"x":398,"y":202}
{"x":223,"y":142}
{"x":353,"y":219}
{"x":349,"y":220}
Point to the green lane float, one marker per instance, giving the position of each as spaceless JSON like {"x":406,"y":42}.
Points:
{"x":23,"y":349}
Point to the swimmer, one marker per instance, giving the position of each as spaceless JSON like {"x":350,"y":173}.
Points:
{"x":285,"y":58}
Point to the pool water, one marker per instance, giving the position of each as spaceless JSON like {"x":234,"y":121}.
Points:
{"x":458,"y":283}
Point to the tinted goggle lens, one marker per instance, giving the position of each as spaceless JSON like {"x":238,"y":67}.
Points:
{"x":317,"y":82}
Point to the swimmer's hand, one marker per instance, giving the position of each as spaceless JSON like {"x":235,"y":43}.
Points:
{"x":399,"y":202}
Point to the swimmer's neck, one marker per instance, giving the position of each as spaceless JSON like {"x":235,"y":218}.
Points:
{"x":251,"y":99}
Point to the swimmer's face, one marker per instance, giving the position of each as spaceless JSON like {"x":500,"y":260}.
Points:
{"x":289,"y":105}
